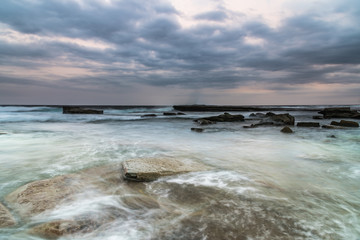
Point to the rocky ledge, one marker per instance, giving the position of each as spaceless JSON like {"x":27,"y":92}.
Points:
{"x":340,"y":112}
{"x":149,"y":169}
{"x":344,"y":123}
{"x":274,"y":119}
{"x":226,"y":117}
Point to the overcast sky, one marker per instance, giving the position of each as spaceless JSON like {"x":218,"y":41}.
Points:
{"x":180,"y":52}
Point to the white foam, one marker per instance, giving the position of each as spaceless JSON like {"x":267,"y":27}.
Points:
{"x":226,"y":180}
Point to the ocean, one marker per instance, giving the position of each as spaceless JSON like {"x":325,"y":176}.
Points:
{"x":261,"y":183}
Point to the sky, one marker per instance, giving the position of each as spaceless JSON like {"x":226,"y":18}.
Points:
{"x":164,"y":52}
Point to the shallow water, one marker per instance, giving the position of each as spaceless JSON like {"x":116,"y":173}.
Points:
{"x":263,"y":184}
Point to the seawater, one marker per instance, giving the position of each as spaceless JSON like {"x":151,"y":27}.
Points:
{"x":263,"y":184}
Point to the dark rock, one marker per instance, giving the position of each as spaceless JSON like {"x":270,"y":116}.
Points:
{"x":269,"y":114}
{"x":149,"y":169}
{"x":197,"y":129}
{"x":257,"y":115}
{"x":205,"y":122}
{"x":344,"y":123}
{"x":308,"y":124}
{"x":286,"y":129}
{"x":6,"y":219}
{"x":1,"y":133}
{"x":318,"y":117}
{"x":251,"y":126}
{"x":148,"y":115}
{"x":332,"y":136}
{"x":226,"y":117}
{"x":340,"y":112}
{"x":227,"y":108}
{"x":277,"y":119}
{"x":180,"y":113}
{"x":79,"y":110}
{"x":331,"y":127}
{"x":169,"y":113}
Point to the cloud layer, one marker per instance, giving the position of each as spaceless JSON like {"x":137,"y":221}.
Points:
{"x":102,"y":49}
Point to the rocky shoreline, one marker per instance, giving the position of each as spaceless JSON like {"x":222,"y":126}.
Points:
{"x":39,"y":197}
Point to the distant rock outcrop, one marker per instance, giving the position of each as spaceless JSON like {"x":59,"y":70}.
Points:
{"x":308,"y":124}
{"x":6,"y":219}
{"x":197,"y":129}
{"x":345,"y":123}
{"x":80,"y":110}
{"x":340,"y":112}
{"x":148,"y":115}
{"x":331,"y":127}
{"x":169,"y":113}
{"x":276,"y":119}
{"x":226,"y":117}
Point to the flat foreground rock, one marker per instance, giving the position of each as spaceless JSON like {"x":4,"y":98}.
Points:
{"x":6,"y":219}
{"x":149,"y":169}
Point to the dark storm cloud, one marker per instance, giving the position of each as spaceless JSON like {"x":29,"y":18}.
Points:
{"x":147,"y":45}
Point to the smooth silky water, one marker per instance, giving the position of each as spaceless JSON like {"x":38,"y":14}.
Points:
{"x":263,"y":184}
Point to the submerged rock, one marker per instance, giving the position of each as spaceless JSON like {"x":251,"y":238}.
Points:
{"x":59,"y":228}
{"x":344,"y":123}
{"x":205,"y":122}
{"x":197,"y":129}
{"x":331,"y":127}
{"x":308,"y":124}
{"x":80,"y":110}
{"x":286,"y":129}
{"x":148,"y":115}
{"x":149,"y":169}
{"x":226,"y":117}
{"x":139,"y":201}
{"x":340,"y":112}
{"x":318,"y":117}
{"x":169,"y":113}
{"x":6,"y":218}
{"x":39,"y":196}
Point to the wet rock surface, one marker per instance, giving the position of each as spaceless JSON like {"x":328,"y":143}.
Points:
{"x":6,"y":218}
{"x":149,"y":169}
{"x":59,"y":228}
{"x":39,"y":196}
